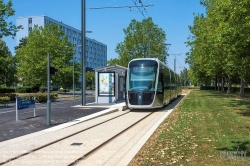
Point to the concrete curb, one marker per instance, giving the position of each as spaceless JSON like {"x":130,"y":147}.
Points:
{"x":120,"y":106}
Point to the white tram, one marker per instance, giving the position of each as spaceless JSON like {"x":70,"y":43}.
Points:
{"x":150,"y":84}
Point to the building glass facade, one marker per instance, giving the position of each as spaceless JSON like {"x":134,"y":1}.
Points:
{"x":95,"y":53}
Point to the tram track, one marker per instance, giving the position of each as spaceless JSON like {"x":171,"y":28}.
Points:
{"x":105,"y":138}
{"x":58,"y":140}
{"x":88,"y":154}
{"x":121,"y":149}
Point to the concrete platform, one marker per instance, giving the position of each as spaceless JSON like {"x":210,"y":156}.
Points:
{"x":20,"y":145}
{"x":64,"y":151}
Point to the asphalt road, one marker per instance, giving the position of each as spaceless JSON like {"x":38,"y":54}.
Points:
{"x":61,"y":112}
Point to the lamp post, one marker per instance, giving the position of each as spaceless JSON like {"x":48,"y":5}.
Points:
{"x":91,"y":83}
{"x":83,"y":68}
{"x":165,"y":44}
{"x":48,"y":91}
{"x":74,"y":72}
{"x":74,"y":76}
{"x":74,"y":66}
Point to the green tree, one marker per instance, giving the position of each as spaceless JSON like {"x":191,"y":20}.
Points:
{"x":32,"y":57}
{"x":236,"y":39}
{"x":22,"y":42}
{"x":136,"y":42}
{"x":64,"y":77}
{"x":7,"y":65}
{"x":220,"y":43}
{"x":7,"y":28}
{"x":90,"y":79}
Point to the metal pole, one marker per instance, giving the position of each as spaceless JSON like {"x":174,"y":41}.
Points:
{"x":35,"y":107}
{"x":149,"y":48}
{"x":74,"y":76}
{"x":174,"y":64}
{"x":185,"y":78}
{"x":92,"y":83}
{"x":48,"y":91}
{"x":16,"y":108}
{"x":83,"y":52}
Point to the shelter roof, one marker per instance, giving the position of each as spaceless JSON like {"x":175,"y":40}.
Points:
{"x":115,"y":68}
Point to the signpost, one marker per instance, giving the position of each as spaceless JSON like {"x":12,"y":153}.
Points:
{"x":23,"y":104}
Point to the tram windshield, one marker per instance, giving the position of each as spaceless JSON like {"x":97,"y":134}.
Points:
{"x":142,"y":78}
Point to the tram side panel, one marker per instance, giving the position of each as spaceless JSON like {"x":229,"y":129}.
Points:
{"x":179,"y":86}
{"x":166,"y":87}
{"x":171,"y":85}
{"x":176,"y":85}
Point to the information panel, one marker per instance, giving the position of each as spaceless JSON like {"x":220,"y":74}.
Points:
{"x":25,"y":104}
{"x":106,"y":84}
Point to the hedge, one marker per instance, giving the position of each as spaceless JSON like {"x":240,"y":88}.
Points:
{"x":41,"y":97}
{"x":7,"y":90}
{"x":63,"y":90}
{"x":233,"y":89}
{"x":4,"y":99}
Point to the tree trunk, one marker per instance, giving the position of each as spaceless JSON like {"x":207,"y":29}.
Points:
{"x":222,"y":84}
{"x":218,"y":84}
{"x":229,"y":85}
{"x":242,"y":88}
{"x":65,"y":90}
{"x":215,"y":83}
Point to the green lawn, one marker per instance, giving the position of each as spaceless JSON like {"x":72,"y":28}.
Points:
{"x":204,"y":130}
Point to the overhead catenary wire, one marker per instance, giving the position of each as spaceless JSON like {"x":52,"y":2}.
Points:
{"x":176,"y":59}
{"x":113,"y":7}
{"x":139,"y":8}
{"x":144,"y":6}
{"x":145,"y":9}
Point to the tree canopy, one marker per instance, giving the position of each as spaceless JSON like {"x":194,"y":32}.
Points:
{"x":90,"y":79}
{"x":220,"y":43}
{"x":7,"y":65}
{"x":7,"y":28}
{"x":32,"y":56}
{"x":135,"y":44}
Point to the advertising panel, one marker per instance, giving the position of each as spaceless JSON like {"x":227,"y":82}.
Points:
{"x":106,"y":84}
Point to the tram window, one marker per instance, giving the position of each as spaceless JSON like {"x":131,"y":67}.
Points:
{"x":160,"y":80}
{"x":159,"y":86}
{"x":142,"y":79}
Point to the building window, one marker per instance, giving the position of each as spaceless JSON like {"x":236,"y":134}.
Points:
{"x":30,"y":28}
{"x":30,"y":20}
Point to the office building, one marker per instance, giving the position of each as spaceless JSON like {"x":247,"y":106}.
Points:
{"x":96,"y":52}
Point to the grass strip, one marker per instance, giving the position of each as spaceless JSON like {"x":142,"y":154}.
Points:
{"x":207,"y":128}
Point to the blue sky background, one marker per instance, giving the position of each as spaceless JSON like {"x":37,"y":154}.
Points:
{"x":173,"y":16}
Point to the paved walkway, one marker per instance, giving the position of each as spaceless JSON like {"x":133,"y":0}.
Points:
{"x":62,"y":111}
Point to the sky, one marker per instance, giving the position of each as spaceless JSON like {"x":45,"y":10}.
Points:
{"x":173,"y":16}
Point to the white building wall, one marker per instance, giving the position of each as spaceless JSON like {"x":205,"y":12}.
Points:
{"x":96,"y":52}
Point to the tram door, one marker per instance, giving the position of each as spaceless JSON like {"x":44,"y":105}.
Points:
{"x":125,"y":87}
